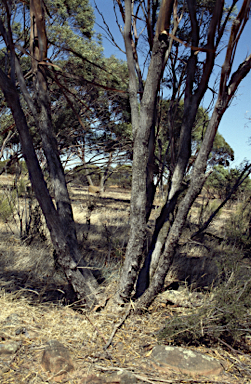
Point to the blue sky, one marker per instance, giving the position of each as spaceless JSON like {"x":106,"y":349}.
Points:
{"x":235,"y":126}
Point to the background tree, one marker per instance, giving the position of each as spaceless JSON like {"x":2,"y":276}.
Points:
{"x":168,"y":133}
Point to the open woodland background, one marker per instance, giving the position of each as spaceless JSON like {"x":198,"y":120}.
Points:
{"x":205,"y":303}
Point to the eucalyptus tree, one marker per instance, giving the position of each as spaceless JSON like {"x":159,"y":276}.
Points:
{"x":93,"y":120}
{"x":187,"y":37}
{"x":29,"y":41}
{"x":168,"y":133}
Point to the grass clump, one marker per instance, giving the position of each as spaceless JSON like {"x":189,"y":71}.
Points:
{"x":224,"y":316}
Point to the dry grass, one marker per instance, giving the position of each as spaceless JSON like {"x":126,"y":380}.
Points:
{"x":34,"y":294}
{"x":85,"y":335}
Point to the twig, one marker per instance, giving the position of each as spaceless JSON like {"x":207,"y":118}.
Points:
{"x":61,"y":372}
{"x":234,"y":351}
{"x":96,"y":329}
{"x":10,"y":134}
{"x":117,"y":326}
{"x":152,"y":380}
{"x":140,"y":377}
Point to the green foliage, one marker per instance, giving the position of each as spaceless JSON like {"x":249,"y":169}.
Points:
{"x":78,"y":175}
{"x":6,"y":208}
{"x":21,"y":187}
{"x":170,"y":127}
{"x":121,"y":176}
{"x":222,"y":179}
{"x":76,"y":14}
{"x":16,"y":206}
{"x":14,"y":168}
{"x":206,"y":209}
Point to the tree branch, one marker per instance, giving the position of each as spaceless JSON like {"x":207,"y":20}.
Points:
{"x":238,"y":182}
{"x":133,"y":86}
{"x":236,"y":30}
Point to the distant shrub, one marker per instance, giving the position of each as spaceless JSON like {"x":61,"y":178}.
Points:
{"x":121,"y":176}
{"x":14,"y":168}
{"x":78,"y":175}
{"x":6,"y":208}
{"x":222,"y":179}
{"x":21,"y":187}
{"x":237,"y":227}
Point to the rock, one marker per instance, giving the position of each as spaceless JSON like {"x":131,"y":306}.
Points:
{"x":12,"y":319}
{"x":22,"y":330}
{"x":185,"y":361}
{"x":122,"y":377}
{"x":10,"y":348}
{"x":56,"y":360}
{"x":92,"y":379}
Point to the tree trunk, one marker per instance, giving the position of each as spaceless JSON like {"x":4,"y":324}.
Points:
{"x":191,"y":104}
{"x":142,"y":130}
{"x":105,"y":174}
{"x":39,"y":51}
{"x":197,"y":180}
{"x":85,"y":285}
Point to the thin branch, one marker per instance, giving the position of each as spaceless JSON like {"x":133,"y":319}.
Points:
{"x":8,"y":137}
{"x":107,"y":29}
{"x":236,"y":30}
{"x":238,"y":182}
{"x":133,"y":86}
{"x":117,"y":326}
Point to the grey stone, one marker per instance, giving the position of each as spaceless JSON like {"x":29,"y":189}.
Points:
{"x":185,"y":361}
{"x":12,"y":319}
{"x":122,"y":377}
{"x":10,"y":348}
{"x":56,"y":359}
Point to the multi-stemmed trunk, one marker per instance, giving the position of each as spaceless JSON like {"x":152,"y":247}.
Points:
{"x":167,"y":232}
{"x":59,"y":217}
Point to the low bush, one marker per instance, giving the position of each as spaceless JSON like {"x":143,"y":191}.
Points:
{"x":6,"y":208}
{"x":224,"y":316}
{"x":238,"y":227}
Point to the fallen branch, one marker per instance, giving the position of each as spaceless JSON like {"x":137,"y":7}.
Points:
{"x":117,"y":326}
{"x":153,"y":380}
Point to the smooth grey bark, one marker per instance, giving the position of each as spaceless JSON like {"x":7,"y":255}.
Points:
{"x":85,"y":285}
{"x":191,"y":104}
{"x":198,"y":178}
{"x":142,"y":123}
{"x":59,"y":219}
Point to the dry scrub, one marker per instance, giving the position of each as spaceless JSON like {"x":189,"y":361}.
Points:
{"x":34,"y":295}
